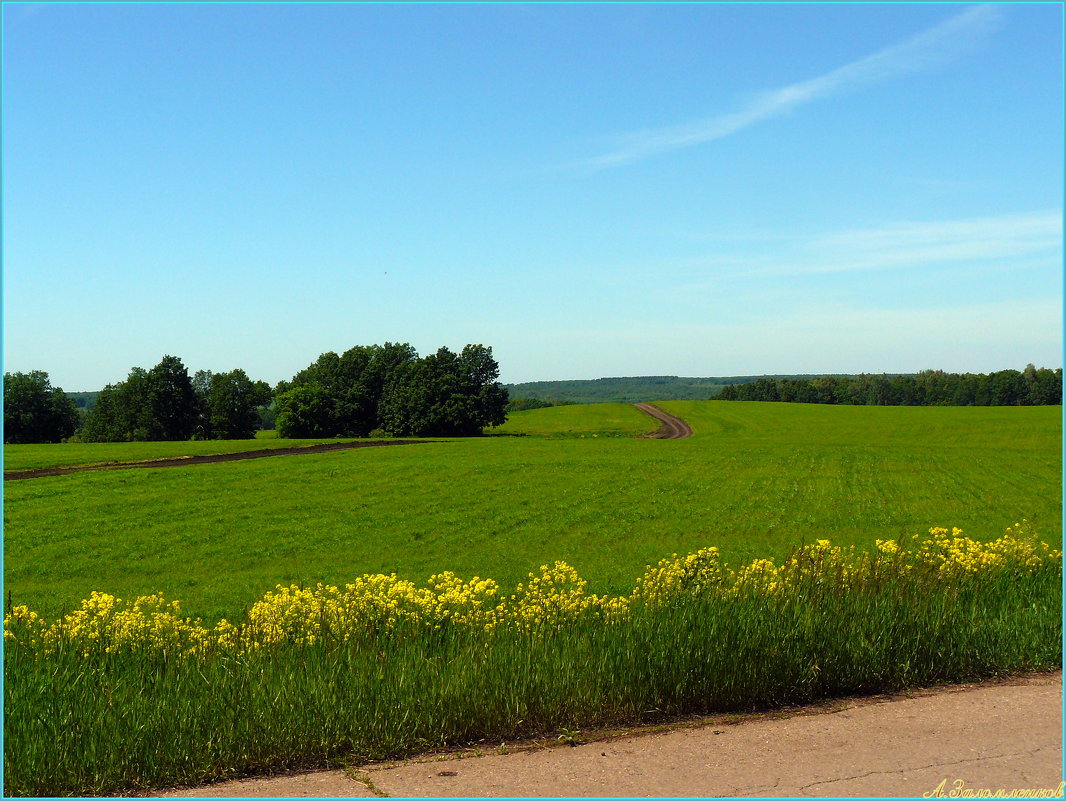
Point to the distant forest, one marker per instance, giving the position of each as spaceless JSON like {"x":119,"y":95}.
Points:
{"x":634,"y":389}
{"x":1029,"y":387}
{"x":863,"y":389}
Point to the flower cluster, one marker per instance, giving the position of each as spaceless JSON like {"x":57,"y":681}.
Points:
{"x":680,"y":575}
{"x":108,"y":624}
{"x":951,"y":553}
{"x":555,"y":596}
{"x":947,"y":554}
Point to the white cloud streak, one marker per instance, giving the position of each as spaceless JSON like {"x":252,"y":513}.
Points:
{"x":926,"y":244}
{"x":925,"y":50}
{"x":1034,"y":237}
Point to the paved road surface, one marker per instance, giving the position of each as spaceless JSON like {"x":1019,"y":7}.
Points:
{"x":991,"y":736}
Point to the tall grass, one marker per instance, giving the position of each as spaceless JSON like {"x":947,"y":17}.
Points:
{"x":131,"y":721}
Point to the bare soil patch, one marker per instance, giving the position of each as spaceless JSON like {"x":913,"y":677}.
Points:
{"x":671,"y":428}
{"x":185,"y":461}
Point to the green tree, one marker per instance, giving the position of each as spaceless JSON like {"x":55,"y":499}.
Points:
{"x":354,"y":384}
{"x":480,"y":374}
{"x":305,"y":411}
{"x":233,"y":405}
{"x":122,"y":412}
{"x":156,"y":404}
{"x":1047,"y":388}
{"x":174,"y":411}
{"x":525,"y":404}
{"x":387,"y":364}
{"x":102,"y":424}
{"x":35,"y":411}
{"x":201,"y":387}
{"x":1006,"y":388}
{"x":446,"y":394}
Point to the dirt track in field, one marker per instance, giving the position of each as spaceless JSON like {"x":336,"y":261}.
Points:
{"x":185,"y":461}
{"x":998,"y":735}
{"x":671,"y":428}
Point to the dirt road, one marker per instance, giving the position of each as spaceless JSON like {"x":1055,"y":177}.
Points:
{"x":998,"y":735}
{"x":185,"y":461}
{"x":671,"y":428}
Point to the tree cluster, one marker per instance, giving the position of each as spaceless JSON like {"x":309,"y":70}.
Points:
{"x":389,"y":388}
{"x":1030,"y":387}
{"x":35,"y":411}
{"x":164,"y":403}
{"x":525,"y":404}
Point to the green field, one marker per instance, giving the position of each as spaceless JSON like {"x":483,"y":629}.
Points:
{"x":756,"y":480}
{"x":28,"y":457}
{"x":594,"y":420}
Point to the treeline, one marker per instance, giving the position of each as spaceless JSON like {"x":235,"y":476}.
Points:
{"x":1029,"y":387}
{"x":525,"y":404}
{"x":388,"y":389}
{"x":35,"y":411}
{"x":165,"y":403}
{"x":375,"y":389}
{"x":630,"y":389}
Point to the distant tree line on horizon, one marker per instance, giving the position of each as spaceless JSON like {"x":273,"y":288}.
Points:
{"x":376,"y":389}
{"x":631,"y":389}
{"x":525,"y":404}
{"x":1028,"y":387}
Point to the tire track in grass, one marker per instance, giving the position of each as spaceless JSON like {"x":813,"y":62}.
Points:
{"x":185,"y":461}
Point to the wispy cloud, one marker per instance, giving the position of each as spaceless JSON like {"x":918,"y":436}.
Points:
{"x":1035,"y":237}
{"x":927,"y":244}
{"x":925,"y":50}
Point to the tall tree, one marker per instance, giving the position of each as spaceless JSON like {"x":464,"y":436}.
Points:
{"x":122,"y":412}
{"x":481,"y":374}
{"x":347,"y":391}
{"x":446,"y":394}
{"x":156,"y":404}
{"x":233,"y":404}
{"x":201,"y":387}
{"x":1047,"y":388}
{"x":305,"y":411}
{"x":174,"y":408}
{"x":35,"y":411}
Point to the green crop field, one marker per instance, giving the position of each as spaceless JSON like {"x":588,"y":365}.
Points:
{"x":755,"y":480}
{"x":311,"y":679}
{"x":595,"y":420}
{"x":28,"y":457}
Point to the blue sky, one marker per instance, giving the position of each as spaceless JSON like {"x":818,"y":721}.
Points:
{"x":592,"y":190}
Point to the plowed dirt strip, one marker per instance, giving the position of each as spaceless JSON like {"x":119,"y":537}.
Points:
{"x":992,"y":736}
{"x":185,"y":461}
{"x":671,"y":428}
